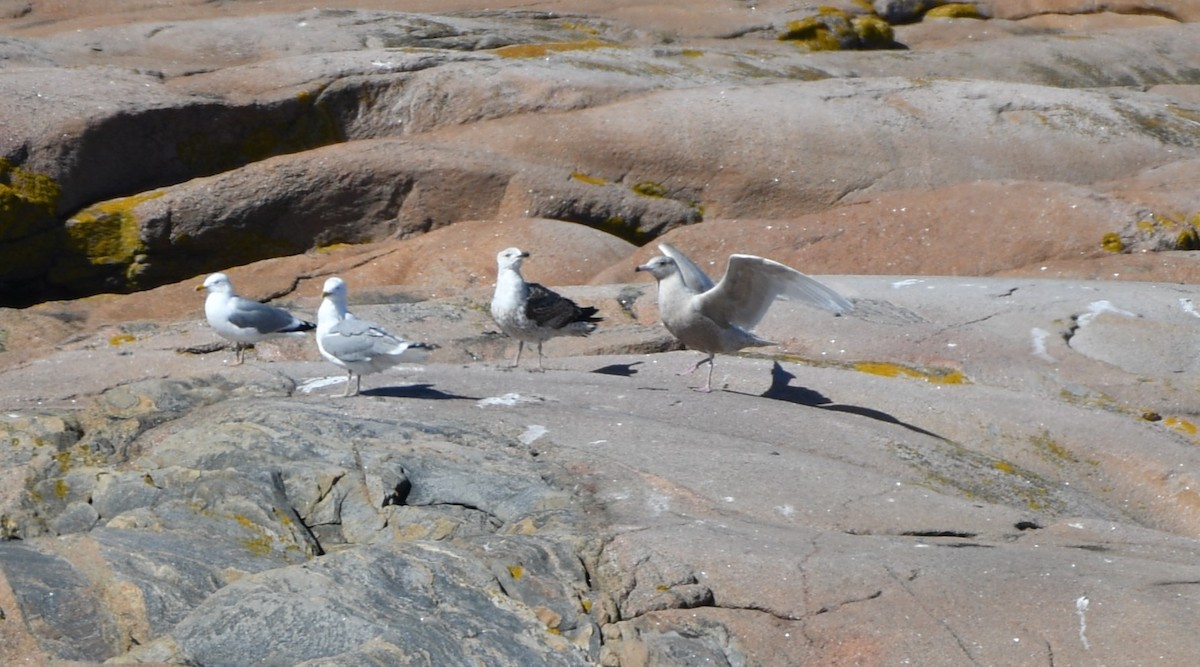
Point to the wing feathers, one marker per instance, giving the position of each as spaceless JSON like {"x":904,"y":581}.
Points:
{"x":693,"y":276}
{"x":552,"y":310}
{"x":752,"y":283}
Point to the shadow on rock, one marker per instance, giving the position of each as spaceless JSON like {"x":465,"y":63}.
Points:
{"x":623,"y":370}
{"x":781,"y":389}
{"x":423,"y":391}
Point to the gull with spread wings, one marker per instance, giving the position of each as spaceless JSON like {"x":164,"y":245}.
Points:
{"x":718,"y":318}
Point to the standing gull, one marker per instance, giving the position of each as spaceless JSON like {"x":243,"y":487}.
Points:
{"x":243,"y":321}
{"x":532,"y":313}
{"x":718,"y":318}
{"x":359,"y":346}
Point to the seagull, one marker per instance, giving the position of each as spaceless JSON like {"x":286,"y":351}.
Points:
{"x":718,"y":318}
{"x":532,"y":313}
{"x":243,"y":321}
{"x":359,"y":346}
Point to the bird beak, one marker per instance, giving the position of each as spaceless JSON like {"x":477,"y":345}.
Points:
{"x":199,"y":287}
{"x":642,"y":267}
{"x":325,"y":294}
{"x":524,"y":254}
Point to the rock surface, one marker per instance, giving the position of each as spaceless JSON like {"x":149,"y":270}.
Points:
{"x":962,"y":471}
{"x":992,"y":460}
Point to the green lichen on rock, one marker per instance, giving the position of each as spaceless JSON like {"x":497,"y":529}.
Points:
{"x":103,"y":241}
{"x":624,"y":229}
{"x":649,"y":189}
{"x":820,"y":33}
{"x":29,"y":238}
{"x":832,"y":29}
{"x":1188,"y":239}
{"x":1170,"y":230}
{"x":28,"y":201}
{"x":873,"y":32}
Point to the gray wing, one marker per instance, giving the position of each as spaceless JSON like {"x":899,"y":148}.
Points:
{"x":693,"y":276}
{"x":265,"y":319}
{"x":353,"y":339}
{"x":752,"y":283}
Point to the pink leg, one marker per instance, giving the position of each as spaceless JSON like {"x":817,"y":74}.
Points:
{"x":708,"y":383}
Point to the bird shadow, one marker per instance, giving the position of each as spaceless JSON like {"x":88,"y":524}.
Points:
{"x":781,"y":389}
{"x":624,"y":370}
{"x":422,"y":391}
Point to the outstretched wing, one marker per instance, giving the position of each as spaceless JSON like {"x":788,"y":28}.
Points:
{"x":553,"y":311}
{"x":693,"y":276}
{"x":752,"y":283}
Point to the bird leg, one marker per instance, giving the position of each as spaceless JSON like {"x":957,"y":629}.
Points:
{"x":707,"y":360}
{"x":708,"y":383}
{"x":238,"y":353}
{"x":540,"y":367}
{"x":349,"y":377}
{"x":520,"y":346}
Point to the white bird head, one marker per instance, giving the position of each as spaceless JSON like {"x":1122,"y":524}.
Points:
{"x":217,"y":283}
{"x":334,"y":288}
{"x":510,"y":258}
{"x":660,"y":267}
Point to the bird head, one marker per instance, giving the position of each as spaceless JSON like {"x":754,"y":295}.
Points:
{"x":334,"y":287}
{"x":510,"y":258}
{"x":217,"y":282}
{"x":660,"y":267}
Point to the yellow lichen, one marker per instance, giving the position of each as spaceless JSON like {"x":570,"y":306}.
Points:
{"x":934,"y":375}
{"x":873,"y":32}
{"x":1188,"y":239}
{"x":121,"y":339}
{"x":516,"y":571}
{"x":811,"y":32}
{"x":259,"y":546}
{"x":61,"y":490}
{"x":108,"y":233}
{"x":622,"y":228}
{"x":832,"y":29}
{"x":1004,"y":467}
{"x":1181,"y":425}
{"x":649,"y":189}
{"x":546,"y":48}
{"x":955,"y":10}
{"x":1047,"y":445}
{"x":691,"y":53}
{"x":28,"y":200}
{"x":1112,"y":242}
{"x":590,"y":180}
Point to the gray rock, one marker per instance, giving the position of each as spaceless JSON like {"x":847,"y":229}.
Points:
{"x":56,"y":605}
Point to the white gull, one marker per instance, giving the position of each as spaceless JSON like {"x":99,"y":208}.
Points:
{"x":244,"y":321}
{"x":359,"y":346}
{"x":718,"y":318}
{"x":532,"y":313}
